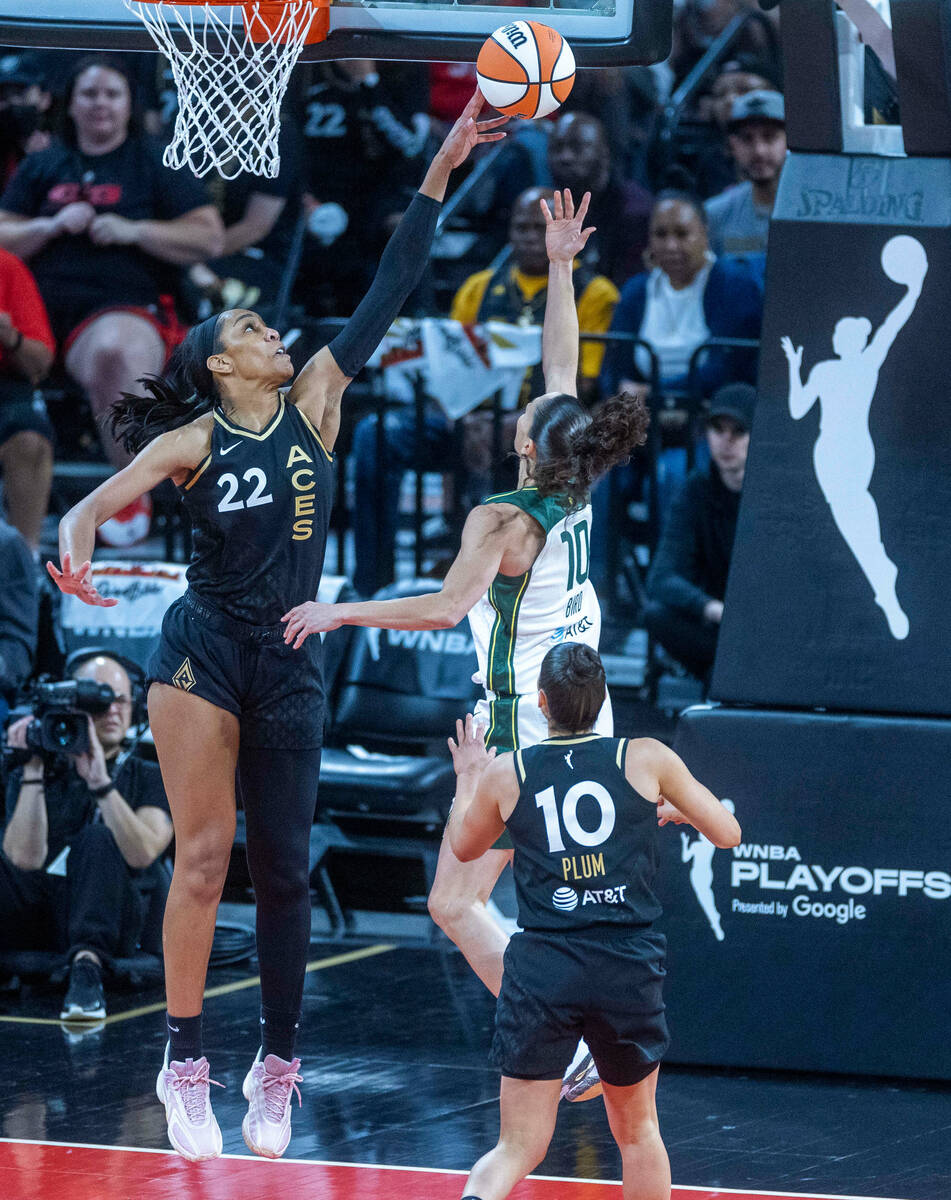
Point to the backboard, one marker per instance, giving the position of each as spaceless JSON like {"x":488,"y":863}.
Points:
{"x":601,"y":32}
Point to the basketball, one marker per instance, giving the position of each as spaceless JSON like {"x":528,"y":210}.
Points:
{"x":526,"y":69}
{"x":904,"y":260}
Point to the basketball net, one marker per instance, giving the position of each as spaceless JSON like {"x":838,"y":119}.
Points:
{"x":231,"y":64}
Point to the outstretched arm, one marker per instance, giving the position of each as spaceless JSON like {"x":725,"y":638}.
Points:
{"x":474,"y":568}
{"x":485,"y":789}
{"x":564,"y":240}
{"x":696,"y":802}
{"x":171,"y":455}
{"x":320,"y":386}
{"x":893,"y":324}
{"x":801,"y":399}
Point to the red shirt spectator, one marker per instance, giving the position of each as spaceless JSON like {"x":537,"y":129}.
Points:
{"x":22,"y":306}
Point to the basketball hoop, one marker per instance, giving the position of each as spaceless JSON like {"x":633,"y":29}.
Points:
{"x":231,"y":64}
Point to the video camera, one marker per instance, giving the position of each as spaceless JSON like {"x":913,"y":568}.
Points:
{"x":60,"y":712}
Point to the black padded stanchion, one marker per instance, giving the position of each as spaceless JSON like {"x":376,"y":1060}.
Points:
{"x":817,"y":943}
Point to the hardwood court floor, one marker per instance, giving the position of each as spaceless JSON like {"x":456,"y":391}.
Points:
{"x":394,"y":1047}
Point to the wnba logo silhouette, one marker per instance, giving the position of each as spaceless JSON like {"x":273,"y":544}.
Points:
{"x":700,"y":856}
{"x":844,"y":454}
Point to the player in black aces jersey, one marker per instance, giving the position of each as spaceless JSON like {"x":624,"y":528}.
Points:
{"x":583,"y":812}
{"x":254,"y":469}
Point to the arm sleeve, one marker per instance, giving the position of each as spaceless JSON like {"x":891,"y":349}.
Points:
{"x":400,"y":270}
{"x":674,"y":568}
{"x":595,"y":309}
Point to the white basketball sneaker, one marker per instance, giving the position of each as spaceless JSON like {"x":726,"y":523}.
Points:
{"x":184,"y":1090}
{"x":581,"y":1080}
{"x":268,"y":1088}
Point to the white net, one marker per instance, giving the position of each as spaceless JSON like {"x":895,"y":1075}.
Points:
{"x":231,"y":64}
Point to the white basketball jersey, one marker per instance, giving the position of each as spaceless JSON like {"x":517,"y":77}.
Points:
{"x":520,"y":618}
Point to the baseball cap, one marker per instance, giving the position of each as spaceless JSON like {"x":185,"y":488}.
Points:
{"x":735,"y":400}
{"x":22,"y":68}
{"x":758,"y":106}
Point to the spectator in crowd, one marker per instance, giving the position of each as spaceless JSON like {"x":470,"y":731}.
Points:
{"x":715,"y":168}
{"x":19,"y":614}
{"x":82,"y":840}
{"x":515,"y":292}
{"x":688,"y":575}
{"x":626,"y":100}
{"x":739,"y":217}
{"x":25,"y":102}
{"x":579,"y":159}
{"x":365,"y":132}
{"x":26,"y":436}
{"x":104,"y":225}
{"x":687,"y":296}
{"x":259,"y":215}
{"x":698,"y":22}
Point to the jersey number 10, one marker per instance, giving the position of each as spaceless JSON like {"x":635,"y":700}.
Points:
{"x":569,"y":815}
{"x":579,"y":553}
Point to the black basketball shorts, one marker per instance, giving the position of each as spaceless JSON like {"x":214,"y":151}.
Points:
{"x":276,"y":692}
{"x":557,"y":988}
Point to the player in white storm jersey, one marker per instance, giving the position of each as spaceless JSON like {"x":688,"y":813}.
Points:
{"x":521,"y":574}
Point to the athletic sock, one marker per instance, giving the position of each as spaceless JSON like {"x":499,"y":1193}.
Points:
{"x":184,"y":1036}
{"x":279,"y":1032}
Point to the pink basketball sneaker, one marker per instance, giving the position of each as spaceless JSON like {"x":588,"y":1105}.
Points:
{"x":268,"y":1088}
{"x":184,"y":1090}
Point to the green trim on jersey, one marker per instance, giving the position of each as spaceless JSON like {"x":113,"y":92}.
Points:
{"x":546,"y":510}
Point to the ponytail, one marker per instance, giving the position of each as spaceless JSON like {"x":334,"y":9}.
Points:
{"x":574,"y":448}
{"x":185,"y":390}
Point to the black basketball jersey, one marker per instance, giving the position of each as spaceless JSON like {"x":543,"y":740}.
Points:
{"x":260,"y":506}
{"x":585,"y":840}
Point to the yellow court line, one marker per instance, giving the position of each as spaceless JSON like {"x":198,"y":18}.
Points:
{"x":319,"y":964}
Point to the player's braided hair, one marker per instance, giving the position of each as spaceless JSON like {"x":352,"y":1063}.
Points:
{"x":574,"y":448}
{"x":184,"y":390}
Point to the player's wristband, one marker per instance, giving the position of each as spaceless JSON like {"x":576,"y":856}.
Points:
{"x":100,"y":792}
{"x":400,"y":270}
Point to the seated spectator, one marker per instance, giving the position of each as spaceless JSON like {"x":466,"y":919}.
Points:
{"x":685,"y":297}
{"x":688,"y":575}
{"x":259,"y":215}
{"x":19,"y":614}
{"x":516,"y":292}
{"x":715,"y":167}
{"x":81,"y":844}
{"x":26,"y":436}
{"x":105,"y":226}
{"x":688,"y":296}
{"x":365,"y":131}
{"x":739,"y":217}
{"x":25,"y":102}
{"x":579,"y":159}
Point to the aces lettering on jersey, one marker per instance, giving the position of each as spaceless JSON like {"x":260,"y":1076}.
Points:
{"x":304,"y":485}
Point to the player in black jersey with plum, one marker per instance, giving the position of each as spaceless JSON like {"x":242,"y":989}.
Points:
{"x":255,"y":470}
{"x":589,"y":962}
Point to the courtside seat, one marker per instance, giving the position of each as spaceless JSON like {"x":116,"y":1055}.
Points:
{"x":386,"y":778}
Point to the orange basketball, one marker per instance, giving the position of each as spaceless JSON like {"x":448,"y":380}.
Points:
{"x":526,"y":69}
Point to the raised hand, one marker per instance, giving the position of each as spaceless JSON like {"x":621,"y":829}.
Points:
{"x":565,"y":236}
{"x":468,"y":750}
{"x":79,"y":583}
{"x":793,"y":353}
{"x":468,"y":132}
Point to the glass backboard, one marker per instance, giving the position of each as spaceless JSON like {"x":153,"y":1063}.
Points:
{"x":601,"y":32}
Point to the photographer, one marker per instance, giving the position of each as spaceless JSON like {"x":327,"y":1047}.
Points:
{"x":83,"y":836}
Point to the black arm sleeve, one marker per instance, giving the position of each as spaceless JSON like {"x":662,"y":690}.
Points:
{"x":400,"y":270}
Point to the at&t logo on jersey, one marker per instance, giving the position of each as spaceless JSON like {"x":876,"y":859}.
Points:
{"x":565,"y":899}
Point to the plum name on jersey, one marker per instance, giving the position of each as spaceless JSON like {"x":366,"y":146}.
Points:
{"x":582,"y":866}
{"x":304,"y":485}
